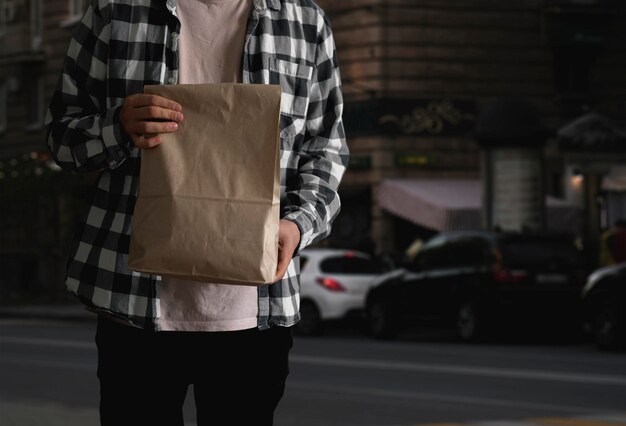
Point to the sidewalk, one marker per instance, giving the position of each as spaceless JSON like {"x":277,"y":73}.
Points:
{"x":73,"y":311}
{"x":38,"y":413}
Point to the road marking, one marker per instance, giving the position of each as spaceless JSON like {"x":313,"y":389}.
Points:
{"x":508,"y":373}
{"x":570,"y":377}
{"x":613,"y":417}
{"x":562,"y":421}
{"x":376,"y":392}
{"x":440,"y":424}
{"x":502,"y":423}
{"x":456,"y":399}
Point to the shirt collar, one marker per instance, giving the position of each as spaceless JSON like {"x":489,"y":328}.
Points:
{"x":263,"y":4}
{"x":171,"y":5}
{"x":258,"y":4}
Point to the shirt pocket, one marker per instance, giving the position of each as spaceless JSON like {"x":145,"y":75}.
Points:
{"x":294,"y":80}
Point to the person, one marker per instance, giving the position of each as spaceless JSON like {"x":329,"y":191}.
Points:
{"x":613,"y":244}
{"x":156,"y":335}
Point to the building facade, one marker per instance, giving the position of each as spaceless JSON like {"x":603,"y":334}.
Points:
{"x":417,"y":74}
{"x":38,"y":203}
{"x":34,"y":35}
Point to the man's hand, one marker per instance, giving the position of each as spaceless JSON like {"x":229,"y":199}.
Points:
{"x":288,"y":240}
{"x":143,"y":117}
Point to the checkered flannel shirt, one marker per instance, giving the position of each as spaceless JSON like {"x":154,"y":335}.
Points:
{"x":120,"y":46}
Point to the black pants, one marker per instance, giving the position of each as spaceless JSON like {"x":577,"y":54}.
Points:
{"x":238,"y":377}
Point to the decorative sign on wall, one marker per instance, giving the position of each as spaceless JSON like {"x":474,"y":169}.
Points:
{"x":432,"y":118}
{"x":414,"y":160}
{"x":394,"y":117}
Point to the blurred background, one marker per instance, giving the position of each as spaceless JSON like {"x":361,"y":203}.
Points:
{"x":478,"y":263}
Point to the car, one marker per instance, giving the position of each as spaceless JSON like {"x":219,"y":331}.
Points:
{"x":604,"y":305}
{"x":474,"y":281}
{"x":333,"y":285}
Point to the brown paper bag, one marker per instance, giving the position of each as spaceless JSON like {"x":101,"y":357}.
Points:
{"x":209,"y":194}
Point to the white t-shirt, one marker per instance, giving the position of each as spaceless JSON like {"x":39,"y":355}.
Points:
{"x":211,"y":43}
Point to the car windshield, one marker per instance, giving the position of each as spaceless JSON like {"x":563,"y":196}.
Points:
{"x":538,"y":252}
{"x":304,"y":260}
{"x":350,"y":265}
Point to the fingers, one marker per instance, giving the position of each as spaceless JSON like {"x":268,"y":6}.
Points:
{"x":143,"y":117}
{"x":144,"y":100}
{"x":158,"y":113}
{"x":152,"y":127}
{"x":283,"y":264}
{"x":146,"y":141}
{"x":288,"y":240}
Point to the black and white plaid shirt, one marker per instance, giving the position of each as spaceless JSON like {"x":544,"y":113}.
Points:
{"x":119,"y":47}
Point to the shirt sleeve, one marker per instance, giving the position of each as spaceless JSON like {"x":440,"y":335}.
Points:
{"x":314,"y":202}
{"x":84,"y":135}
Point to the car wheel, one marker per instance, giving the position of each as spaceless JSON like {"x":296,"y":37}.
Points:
{"x":469,"y":322}
{"x":380,"y":321}
{"x":310,"y":323}
{"x":607,"y":330}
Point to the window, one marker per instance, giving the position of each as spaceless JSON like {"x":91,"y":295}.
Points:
{"x":36,"y":24}
{"x":3,"y":105}
{"x":3,"y":16}
{"x":350,"y":265}
{"x":35,"y":104}
{"x":529,"y":252}
{"x":12,"y":11}
{"x":77,"y":7}
{"x":429,"y":256}
{"x":572,"y":69}
{"x":303,"y":262}
{"x":424,"y":259}
{"x":467,"y":251}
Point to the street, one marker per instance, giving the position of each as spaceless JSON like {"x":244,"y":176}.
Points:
{"x":48,"y":377}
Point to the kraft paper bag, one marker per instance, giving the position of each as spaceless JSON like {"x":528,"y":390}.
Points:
{"x":209,"y":194}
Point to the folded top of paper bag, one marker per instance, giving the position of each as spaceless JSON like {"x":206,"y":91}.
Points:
{"x":229,"y":124}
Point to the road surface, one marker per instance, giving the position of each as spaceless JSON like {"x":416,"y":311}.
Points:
{"x":47,"y":377}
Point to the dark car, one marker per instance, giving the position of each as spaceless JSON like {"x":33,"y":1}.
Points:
{"x":604,"y":301}
{"x":477,"y":281}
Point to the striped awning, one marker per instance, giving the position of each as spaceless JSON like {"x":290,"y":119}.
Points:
{"x":455,"y":204}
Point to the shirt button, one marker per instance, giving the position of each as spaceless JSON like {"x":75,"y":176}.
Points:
{"x":171,"y":80}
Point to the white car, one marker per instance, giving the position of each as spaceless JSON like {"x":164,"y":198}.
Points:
{"x":333,"y":284}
